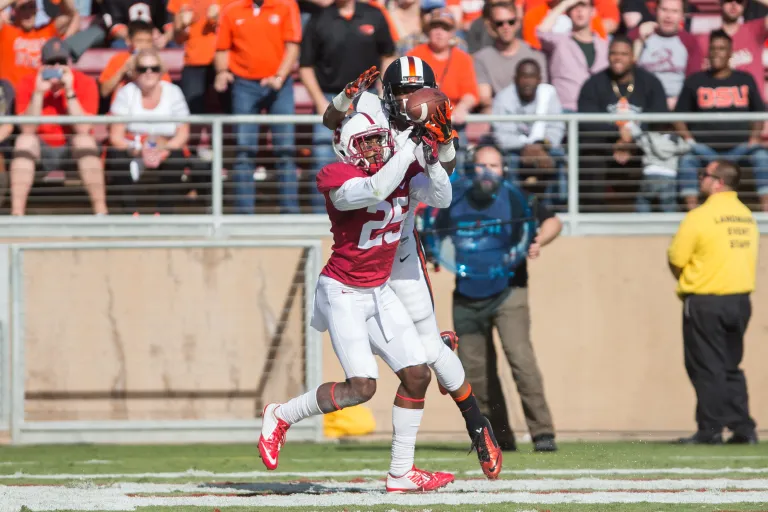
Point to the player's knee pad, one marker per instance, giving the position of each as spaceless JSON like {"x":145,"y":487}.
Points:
{"x":448,"y":369}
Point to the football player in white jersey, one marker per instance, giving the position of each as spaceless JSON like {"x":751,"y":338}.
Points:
{"x":410,"y":279}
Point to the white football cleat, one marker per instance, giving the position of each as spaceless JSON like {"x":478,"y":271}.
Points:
{"x":418,"y":480}
{"x":273,"y":430}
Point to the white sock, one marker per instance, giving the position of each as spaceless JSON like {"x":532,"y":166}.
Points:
{"x":405,"y":426}
{"x":296,"y":409}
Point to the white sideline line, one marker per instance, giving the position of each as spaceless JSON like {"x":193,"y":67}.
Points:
{"x":61,"y":498}
{"x":591,"y":484}
{"x":377,"y":473}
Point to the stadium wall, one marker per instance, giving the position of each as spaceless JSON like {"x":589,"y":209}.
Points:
{"x":606,"y":329}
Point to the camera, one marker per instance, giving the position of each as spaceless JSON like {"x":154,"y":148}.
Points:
{"x":51,"y":73}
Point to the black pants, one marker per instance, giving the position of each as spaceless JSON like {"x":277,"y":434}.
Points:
{"x":713,"y":336}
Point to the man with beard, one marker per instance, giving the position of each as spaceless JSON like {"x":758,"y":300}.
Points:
{"x":608,"y":150}
{"x":482,"y":303}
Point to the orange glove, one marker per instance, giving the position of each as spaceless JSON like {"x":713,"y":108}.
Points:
{"x":440,"y":126}
{"x":362,"y":83}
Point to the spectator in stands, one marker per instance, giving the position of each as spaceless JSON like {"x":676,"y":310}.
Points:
{"x":148,"y":152}
{"x":755,"y":10}
{"x":496,"y":65}
{"x":533,"y":151}
{"x":748,"y":39}
{"x":155,"y":12}
{"x":562,"y":23}
{"x":636,"y":12}
{"x":7,"y":98}
{"x":453,"y":67}
{"x":121,"y":68}
{"x":666,"y":50}
{"x":573,"y":56}
{"x":56,"y":89}
{"x":405,"y":16}
{"x":721,"y":89}
{"x":328,"y":63}
{"x":408,"y":43}
{"x":622,"y":87}
{"x":257,"y":48}
{"x":480,"y":33}
{"x":21,"y":40}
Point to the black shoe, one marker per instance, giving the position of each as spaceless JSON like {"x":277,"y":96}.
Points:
{"x":701,"y":438}
{"x":544,"y":443}
{"x":742,"y":439}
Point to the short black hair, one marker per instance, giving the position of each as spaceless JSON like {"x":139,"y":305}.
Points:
{"x":728,"y":172}
{"x":720,"y":34}
{"x":621,"y":38}
{"x":139,"y":26}
{"x":527,"y":62}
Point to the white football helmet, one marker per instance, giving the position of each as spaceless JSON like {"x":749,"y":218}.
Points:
{"x":360,"y":137}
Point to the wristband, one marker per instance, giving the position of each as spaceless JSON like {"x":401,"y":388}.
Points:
{"x":446,"y":152}
{"x":341,"y":102}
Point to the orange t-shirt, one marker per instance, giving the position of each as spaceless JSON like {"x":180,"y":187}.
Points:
{"x":256,"y":37}
{"x":55,"y":104}
{"x":117,"y":61}
{"x":455,"y":76}
{"x":200,"y":46}
{"x":535,"y":15}
{"x":20,"y":50}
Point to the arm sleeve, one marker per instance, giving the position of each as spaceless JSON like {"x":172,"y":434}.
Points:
{"x":307,"y":55}
{"x":546,"y":97}
{"x":88,"y":95}
{"x":548,"y":40}
{"x":756,"y":103}
{"x":385,"y":44}
{"x":224,"y":36}
{"x":432,"y":188}
{"x":292,"y":23}
{"x":121,"y":105}
{"x":695,"y":57}
{"x":112,"y":67}
{"x":179,"y":107}
{"x":355,"y":193}
{"x":683,"y":244}
{"x":507,"y":134}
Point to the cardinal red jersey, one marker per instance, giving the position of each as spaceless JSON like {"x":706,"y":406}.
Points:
{"x":364,"y":241}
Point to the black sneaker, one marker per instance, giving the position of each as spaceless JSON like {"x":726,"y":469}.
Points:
{"x":701,"y":438}
{"x":742,"y":439}
{"x":544,"y":443}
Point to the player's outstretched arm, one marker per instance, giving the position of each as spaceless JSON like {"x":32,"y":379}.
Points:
{"x":358,"y":193}
{"x":338,"y":108}
{"x":440,"y":126}
{"x":432,"y":187}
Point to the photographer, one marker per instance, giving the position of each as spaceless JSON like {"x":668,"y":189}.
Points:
{"x":483,"y":300}
{"x":56,"y":90}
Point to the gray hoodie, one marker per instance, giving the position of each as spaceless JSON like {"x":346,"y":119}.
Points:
{"x":661,"y":151}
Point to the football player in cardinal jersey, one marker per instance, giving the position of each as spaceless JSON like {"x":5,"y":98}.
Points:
{"x":410,"y":279}
{"x":367,"y":195}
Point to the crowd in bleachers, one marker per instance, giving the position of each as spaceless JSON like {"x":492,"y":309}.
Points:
{"x":170,"y":58}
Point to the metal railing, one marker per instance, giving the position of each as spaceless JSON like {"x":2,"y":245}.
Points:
{"x":219,"y":136}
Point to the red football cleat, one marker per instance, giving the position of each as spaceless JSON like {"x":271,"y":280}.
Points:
{"x":273,"y":430}
{"x":452,"y":342}
{"x":418,"y":480}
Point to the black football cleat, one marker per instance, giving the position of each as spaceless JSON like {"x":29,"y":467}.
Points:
{"x":488,"y":451}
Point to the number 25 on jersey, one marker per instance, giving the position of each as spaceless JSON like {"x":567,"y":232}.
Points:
{"x":394,"y":213}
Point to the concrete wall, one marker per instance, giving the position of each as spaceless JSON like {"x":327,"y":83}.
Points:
{"x":606,"y":328}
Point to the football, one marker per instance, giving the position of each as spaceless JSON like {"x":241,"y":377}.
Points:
{"x":422,"y":104}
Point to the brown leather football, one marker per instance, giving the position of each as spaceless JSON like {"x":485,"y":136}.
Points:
{"x":422,"y":104}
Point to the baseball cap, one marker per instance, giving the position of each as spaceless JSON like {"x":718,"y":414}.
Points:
{"x":431,"y":5}
{"x":442,"y":17}
{"x":55,"y":50}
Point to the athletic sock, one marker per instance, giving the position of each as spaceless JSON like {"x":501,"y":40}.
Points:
{"x":296,"y":409}
{"x":405,"y":426}
{"x":474,"y":419}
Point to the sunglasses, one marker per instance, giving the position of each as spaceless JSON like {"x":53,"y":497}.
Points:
{"x":56,"y":62}
{"x":501,"y":23}
{"x":146,"y":69}
{"x":705,"y":174}
{"x":733,"y":1}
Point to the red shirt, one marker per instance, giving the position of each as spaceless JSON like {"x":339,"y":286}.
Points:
{"x":364,"y":241}
{"x":55,"y":104}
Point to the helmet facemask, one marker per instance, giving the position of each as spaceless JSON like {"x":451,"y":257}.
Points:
{"x":371,"y":149}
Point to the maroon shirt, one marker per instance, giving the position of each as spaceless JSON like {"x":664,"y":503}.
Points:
{"x":365,"y":240}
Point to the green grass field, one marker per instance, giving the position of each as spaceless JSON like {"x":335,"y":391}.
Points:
{"x":580,"y":477}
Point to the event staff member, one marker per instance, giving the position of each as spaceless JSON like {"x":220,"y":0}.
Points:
{"x":713,"y":257}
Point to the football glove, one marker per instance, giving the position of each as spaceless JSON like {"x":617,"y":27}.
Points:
{"x":362,"y":83}
{"x":440,"y":126}
{"x":429,"y":145}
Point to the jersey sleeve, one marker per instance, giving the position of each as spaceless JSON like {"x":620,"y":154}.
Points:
{"x":335,"y":175}
{"x":432,"y":188}
{"x":683,"y":244}
{"x":121,"y":104}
